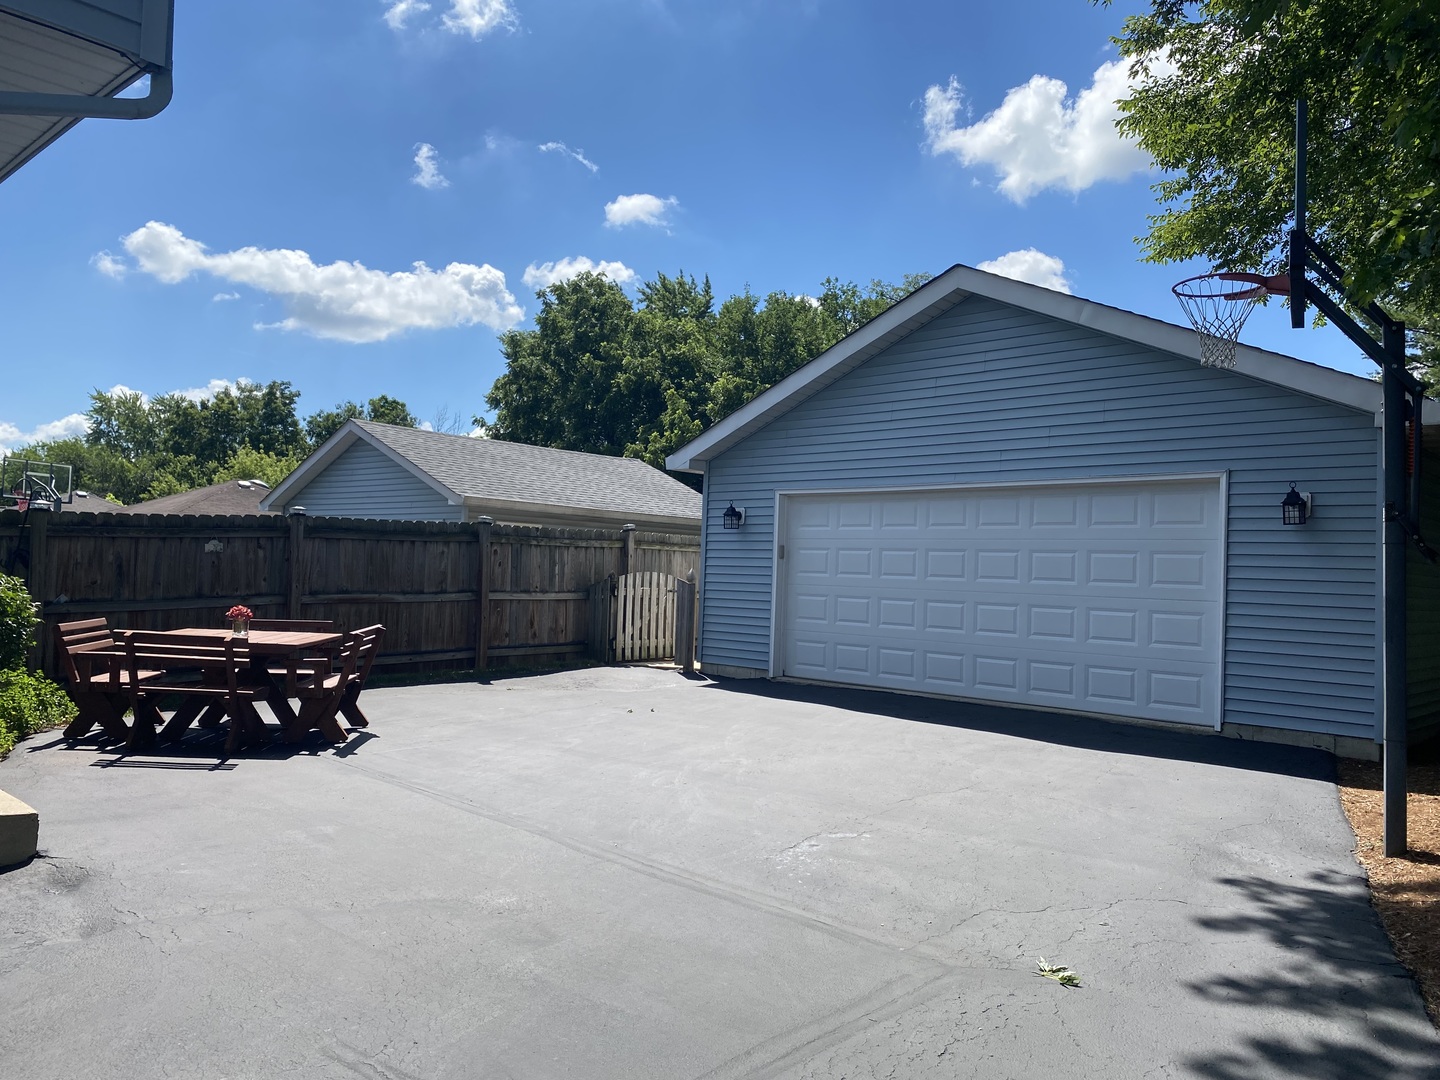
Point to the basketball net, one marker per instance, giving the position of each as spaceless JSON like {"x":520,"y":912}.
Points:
{"x":1217,"y":308}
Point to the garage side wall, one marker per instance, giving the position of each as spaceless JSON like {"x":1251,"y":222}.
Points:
{"x":364,"y":483}
{"x":1422,"y":579}
{"x":988,"y":393}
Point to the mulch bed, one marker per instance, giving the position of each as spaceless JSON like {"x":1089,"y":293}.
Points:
{"x":1404,"y":890}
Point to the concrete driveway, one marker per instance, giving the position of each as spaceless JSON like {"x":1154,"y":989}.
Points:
{"x":622,"y":873}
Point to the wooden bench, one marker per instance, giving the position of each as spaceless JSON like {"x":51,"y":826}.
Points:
{"x":202,"y":670}
{"x":327,"y":692}
{"x":94,"y":664}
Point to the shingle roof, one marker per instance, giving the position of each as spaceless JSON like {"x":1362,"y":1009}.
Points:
{"x":224,"y":498}
{"x":516,"y":472}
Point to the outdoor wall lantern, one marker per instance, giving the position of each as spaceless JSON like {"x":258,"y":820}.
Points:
{"x":1295,"y":508}
{"x":733,"y":518}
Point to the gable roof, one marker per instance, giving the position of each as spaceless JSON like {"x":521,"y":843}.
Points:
{"x":487,"y":470}
{"x":225,"y":498}
{"x":954,"y":287}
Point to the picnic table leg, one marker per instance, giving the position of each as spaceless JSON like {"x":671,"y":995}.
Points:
{"x":350,"y":707}
{"x":96,"y":709}
{"x":175,"y":730}
{"x":246,"y":726}
{"x":142,"y":730}
{"x":212,"y":716}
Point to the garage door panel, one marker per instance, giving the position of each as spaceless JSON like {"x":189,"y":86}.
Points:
{"x":1104,"y":599}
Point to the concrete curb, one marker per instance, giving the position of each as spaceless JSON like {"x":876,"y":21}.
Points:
{"x":19,"y":831}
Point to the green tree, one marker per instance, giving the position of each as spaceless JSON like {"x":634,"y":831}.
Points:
{"x":247,"y":463}
{"x":1217,"y":115}
{"x":563,"y":384}
{"x":606,"y":375}
{"x":383,"y":409}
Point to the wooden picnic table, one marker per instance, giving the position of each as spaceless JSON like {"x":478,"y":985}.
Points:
{"x":321,"y":669}
{"x":291,"y":646}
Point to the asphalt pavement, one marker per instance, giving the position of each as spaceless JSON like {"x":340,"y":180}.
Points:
{"x":627,"y":873}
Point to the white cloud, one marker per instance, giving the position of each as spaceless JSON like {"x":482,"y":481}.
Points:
{"x":1039,"y":137}
{"x":13,"y":437}
{"x":551,"y":273}
{"x":479,"y":17}
{"x":109,"y":265}
{"x":475,"y":18}
{"x":578,"y":155}
{"x":342,"y":300}
{"x":1030,"y":265}
{"x":221,"y":297}
{"x":638,"y":210}
{"x":427,"y":168}
{"x":398,"y":13}
{"x":210,"y":389}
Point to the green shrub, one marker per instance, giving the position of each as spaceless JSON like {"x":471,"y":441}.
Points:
{"x":30,"y":703}
{"x":17,"y":622}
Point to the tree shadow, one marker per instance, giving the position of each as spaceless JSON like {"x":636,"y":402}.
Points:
{"x":1061,"y":729}
{"x":1338,"y":968}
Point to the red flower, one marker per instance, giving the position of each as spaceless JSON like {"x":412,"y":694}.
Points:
{"x":239,"y":611}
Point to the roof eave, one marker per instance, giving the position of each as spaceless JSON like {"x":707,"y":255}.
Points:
{"x":953,"y":287}
{"x":516,"y":508}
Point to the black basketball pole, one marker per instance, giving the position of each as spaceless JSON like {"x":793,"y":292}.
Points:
{"x":1400,"y":499}
{"x":1393,"y":692}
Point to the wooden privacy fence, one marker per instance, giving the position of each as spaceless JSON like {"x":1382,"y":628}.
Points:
{"x":634,"y":618}
{"x":452,"y":595}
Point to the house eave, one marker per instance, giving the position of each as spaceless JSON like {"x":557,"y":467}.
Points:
{"x":552,"y":514}
{"x":961,"y":282}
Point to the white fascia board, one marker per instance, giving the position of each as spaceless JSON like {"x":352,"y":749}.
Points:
{"x":951,"y":287}
{"x":515,"y":510}
{"x":349,"y":433}
{"x":847,"y":353}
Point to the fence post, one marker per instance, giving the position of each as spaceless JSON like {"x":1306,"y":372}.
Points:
{"x":296,"y":554}
{"x":36,"y":579}
{"x":685,"y":622}
{"x":482,"y":592}
{"x":627,"y":549}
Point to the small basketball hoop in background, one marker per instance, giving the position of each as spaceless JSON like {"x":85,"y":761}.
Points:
{"x":1217,"y":305}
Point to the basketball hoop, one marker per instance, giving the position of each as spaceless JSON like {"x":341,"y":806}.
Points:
{"x":1217,"y":305}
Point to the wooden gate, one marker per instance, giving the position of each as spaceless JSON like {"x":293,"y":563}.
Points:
{"x":632,"y":618}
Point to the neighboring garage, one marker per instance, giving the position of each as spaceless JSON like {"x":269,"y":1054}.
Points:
{"x":999,"y":492}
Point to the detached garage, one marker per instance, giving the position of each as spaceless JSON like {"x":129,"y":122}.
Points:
{"x":1001,"y":493}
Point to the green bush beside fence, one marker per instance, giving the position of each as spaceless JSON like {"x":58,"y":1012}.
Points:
{"x":29,"y":702}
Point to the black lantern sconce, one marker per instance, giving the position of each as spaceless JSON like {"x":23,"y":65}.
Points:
{"x":733,"y":518}
{"x":1296,"y":507}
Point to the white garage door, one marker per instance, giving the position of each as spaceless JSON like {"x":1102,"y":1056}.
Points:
{"x":1103,"y":598}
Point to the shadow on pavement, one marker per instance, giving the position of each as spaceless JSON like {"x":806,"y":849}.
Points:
{"x":1084,"y":732}
{"x":201,"y":750}
{"x":1340,"y":967}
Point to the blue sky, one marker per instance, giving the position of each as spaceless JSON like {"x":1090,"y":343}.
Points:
{"x":269,"y":223}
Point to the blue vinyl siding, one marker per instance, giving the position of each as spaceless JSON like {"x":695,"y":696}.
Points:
{"x":988,"y":393}
{"x":364,"y":483}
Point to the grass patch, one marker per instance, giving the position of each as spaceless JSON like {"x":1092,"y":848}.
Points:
{"x":1059,"y":972}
